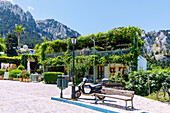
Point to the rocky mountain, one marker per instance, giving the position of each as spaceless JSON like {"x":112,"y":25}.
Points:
{"x":54,"y":30}
{"x":35,"y":31}
{"x":156,"y":41}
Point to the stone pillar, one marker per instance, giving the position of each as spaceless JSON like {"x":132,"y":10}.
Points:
{"x":43,"y":69}
{"x":106,"y":72}
{"x":28,"y":66}
{"x":94,"y":74}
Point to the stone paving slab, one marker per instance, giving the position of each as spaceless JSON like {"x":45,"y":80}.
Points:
{"x":20,"y":97}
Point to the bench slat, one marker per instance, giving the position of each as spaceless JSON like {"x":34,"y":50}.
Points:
{"x":117,"y":92}
{"x":111,"y":96}
{"x":112,"y":89}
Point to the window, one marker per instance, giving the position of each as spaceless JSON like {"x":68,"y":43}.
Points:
{"x":100,"y":72}
{"x":91,"y":70}
{"x":112,"y":70}
{"x":122,"y":70}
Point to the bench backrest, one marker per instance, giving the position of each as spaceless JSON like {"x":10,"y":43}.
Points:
{"x":117,"y":92}
{"x":113,"y":84}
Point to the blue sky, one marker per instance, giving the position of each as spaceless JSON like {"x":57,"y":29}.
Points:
{"x":93,"y":16}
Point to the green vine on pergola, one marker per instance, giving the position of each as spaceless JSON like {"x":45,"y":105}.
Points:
{"x":26,"y":56}
{"x":123,"y":37}
{"x":124,"y":59}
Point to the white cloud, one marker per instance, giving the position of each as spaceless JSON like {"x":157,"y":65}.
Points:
{"x":30,"y":8}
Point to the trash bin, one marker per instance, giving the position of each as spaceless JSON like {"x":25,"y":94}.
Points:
{"x":34,"y":77}
{"x":62,"y":83}
{"x":59,"y":82}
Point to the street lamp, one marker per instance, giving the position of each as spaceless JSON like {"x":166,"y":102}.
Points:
{"x":94,"y":67}
{"x":73,"y":41}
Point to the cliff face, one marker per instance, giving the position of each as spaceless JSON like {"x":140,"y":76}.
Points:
{"x":54,"y":29}
{"x":156,"y":41}
{"x":35,"y":31}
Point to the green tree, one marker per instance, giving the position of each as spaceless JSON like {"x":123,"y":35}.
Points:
{"x":11,"y":44}
{"x":19,"y":30}
{"x":82,"y":65}
{"x":2,"y":45}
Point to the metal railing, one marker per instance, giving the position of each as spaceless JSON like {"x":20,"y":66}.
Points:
{"x":91,"y":52}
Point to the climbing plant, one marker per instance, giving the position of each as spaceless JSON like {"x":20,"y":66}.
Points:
{"x":24,"y":58}
{"x":122,"y":37}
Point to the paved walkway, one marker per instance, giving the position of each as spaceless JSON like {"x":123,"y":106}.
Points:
{"x":20,"y":97}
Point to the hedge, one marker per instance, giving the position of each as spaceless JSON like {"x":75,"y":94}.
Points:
{"x":14,"y":59}
{"x":51,"y":77}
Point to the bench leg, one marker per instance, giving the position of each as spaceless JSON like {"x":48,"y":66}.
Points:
{"x":126,"y":105}
{"x":96,"y":99}
{"x":132,"y":103}
{"x":102,"y":100}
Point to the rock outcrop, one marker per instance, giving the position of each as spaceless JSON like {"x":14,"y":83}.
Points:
{"x":35,"y":31}
{"x":156,"y":41}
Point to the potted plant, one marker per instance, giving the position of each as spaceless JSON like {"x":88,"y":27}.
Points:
{"x":21,"y":79}
{"x":2,"y":71}
{"x":2,"y":78}
{"x":39,"y":71}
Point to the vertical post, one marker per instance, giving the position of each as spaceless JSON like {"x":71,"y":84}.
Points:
{"x":61,"y":95}
{"x":138,"y":53}
{"x":73,"y":86}
{"x":148,"y":84}
{"x":94,"y":67}
{"x":94,"y":71}
{"x":24,"y":60}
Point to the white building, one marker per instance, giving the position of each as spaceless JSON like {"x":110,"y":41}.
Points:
{"x":142,"y":63}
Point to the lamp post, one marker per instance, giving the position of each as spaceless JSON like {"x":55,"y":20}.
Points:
{"x":73,"y":41}
{"x":94,"y":67}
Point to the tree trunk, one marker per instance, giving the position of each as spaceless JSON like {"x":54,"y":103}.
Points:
{"x":18,"y":39}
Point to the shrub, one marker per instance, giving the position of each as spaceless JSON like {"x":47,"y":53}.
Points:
{"x":39,"y":70}
{"x":125,"y":77}
{"x":21,"y":67}
{"x":2,"y":71}
{"x":13,"y":73}
{"x":117,"y":78}
{"x":138,"y":80}
{"x":51,"y":77}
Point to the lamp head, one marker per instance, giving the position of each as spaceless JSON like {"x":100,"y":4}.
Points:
{"x":73,"y":40}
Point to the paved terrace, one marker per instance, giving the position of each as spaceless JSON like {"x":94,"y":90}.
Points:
{"x":20,"y":97}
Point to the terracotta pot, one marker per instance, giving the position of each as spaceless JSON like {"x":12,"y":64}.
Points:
{"x":39,"y":79}
{"x":10,"y":78}
{"x":24,"y":79}
{"x":2,"y":78}
{"x":27,"y":80}
{"x":20,"y":79}
{"x":16,"y":79}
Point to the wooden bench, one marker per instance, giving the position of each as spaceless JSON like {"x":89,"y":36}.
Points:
{"x":114,"y":85}
{"x":116,"y":94}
